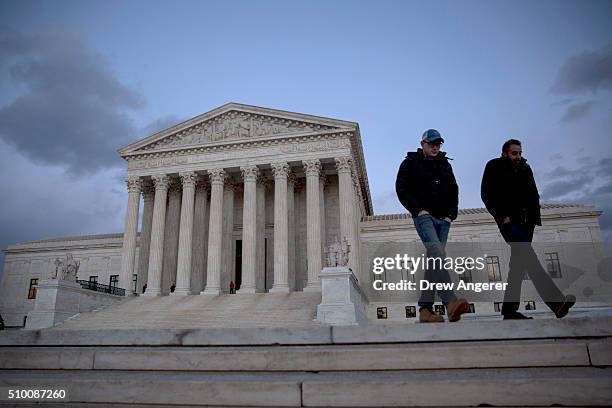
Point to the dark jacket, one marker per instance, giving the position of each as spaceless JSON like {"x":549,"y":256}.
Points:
{"x":427,"y":184}
{"x":509,"y":190}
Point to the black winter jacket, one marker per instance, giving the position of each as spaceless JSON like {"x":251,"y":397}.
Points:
{"x":427,"y":184}
{"x":509,"y":190}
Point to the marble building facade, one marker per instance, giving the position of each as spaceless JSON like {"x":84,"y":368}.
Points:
{"x":247,"y":195}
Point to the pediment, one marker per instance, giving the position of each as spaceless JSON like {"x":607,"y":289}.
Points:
{"x":233,"y":122}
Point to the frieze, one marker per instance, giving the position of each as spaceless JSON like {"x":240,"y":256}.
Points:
{"x":158,"y":162}
{"x":235,"y":125}
{"x":315,"y":146}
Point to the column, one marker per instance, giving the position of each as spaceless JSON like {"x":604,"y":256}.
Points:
{"x":156,"y":254}
{"x":281,"y":228}
{"x":322,"y":182}
{"x":200,"y":230}
{"x":249,"y":226}
{"x":227,"y":265}
{"x":354,"y":255}
{"x":173,"y":219}
{"x":260,"y":234}
{"x":313,"y":221}
{"x":346,"y":202}
{"x":213,"y":266}
{"x":148,"y":195}
{"x":128,"y":256}
{"x":291,"y":222}
{"x":183,"y":267}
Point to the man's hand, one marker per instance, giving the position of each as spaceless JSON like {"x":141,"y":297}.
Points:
{"x":506,"y":221}
{"x":422,"y":212}
{"x":447,"y":219}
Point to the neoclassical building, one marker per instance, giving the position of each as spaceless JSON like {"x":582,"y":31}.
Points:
{"x":250,"y":196}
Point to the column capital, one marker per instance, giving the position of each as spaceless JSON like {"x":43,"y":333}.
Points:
{"x":280,"y":169}
{"x":161,"y":181}
{"x":134,"y":184}
{"x":188,"y":179}
{"x":344,"y":164}
{"x":216,"y":176}
{"x":312,"y":167}
{"x":249,"y":173}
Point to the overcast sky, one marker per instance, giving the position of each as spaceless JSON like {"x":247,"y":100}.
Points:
{"x":79,"y":79}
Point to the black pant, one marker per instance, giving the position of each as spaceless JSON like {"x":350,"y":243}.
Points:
{"x":523,"y":259}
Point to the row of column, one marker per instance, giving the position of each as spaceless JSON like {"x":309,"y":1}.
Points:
{"x":153,"y":264}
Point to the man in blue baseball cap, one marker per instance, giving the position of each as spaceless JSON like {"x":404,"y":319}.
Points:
{"x":426,"y":187}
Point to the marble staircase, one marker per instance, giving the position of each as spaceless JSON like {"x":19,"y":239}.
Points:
{"x":539,"y":362}
{"x":200,"y":311}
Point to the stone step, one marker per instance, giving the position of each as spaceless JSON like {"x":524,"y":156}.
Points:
{"x":243,"y":310}
{"x":575,"y":386}
{"x":419,"y":356}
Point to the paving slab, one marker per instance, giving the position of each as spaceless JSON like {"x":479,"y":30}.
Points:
{"x":110,"y":387}
{"x":521,"y":353}
{"x":586,"y":326}
{"x":535,"y":386}
{"x":600,"y":352}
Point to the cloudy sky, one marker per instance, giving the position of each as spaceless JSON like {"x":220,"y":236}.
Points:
{"x":79,"y":79}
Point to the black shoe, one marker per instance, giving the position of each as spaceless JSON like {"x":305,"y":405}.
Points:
{"x":516,"y":316}
{"x":570,"y":300}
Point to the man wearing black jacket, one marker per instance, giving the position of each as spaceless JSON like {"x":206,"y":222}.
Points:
{"x":426,"y":187}
{"x":510,"y":194}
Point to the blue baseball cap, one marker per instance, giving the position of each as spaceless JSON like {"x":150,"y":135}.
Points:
{"x":432,"y":135}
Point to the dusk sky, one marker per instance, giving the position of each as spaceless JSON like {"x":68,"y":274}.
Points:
{"x":80,"y":79}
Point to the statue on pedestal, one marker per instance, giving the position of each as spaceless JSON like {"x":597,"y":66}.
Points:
{"x":336,"y":254}
{"x":66,"y":269}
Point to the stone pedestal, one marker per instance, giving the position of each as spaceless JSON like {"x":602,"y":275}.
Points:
{"x":56,"y":301}
{"x":342,"y":300}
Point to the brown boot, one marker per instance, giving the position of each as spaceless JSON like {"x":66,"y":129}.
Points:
{"x":456,"y":308}
{"x":427,"y":316}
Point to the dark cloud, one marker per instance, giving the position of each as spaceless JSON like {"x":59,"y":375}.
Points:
{"x":558,"y":189}
{"x":589,"y":183}
{"x":577,"y":111}
{"x":558,"y":172}
{"x":589,"y":71}
{"x":74,"y":112}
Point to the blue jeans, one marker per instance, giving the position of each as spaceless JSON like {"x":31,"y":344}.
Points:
{"x":434,"y":232}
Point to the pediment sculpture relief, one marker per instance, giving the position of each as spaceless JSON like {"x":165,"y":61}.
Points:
{"x":232,"y":126}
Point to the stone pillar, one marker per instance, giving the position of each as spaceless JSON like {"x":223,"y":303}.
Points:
{"x":346,"y":201}
{"x":322,"y":183}
{"x":173,"y":219}
{"x":128,"y":255}
{"x":156,"y":254}
{"x":354,"y":255}
{"x":281,"y":228}
{"x":313,"y":221}
{"x":215,"y":230}
{"x":200,"y":237}
{"x":148,"y":195}
{"x":249,"y":226}
{"x":260,"y":235}
{"x":183,"y":267}
{"x":227,"y":268}
{"x":291,"y":229}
